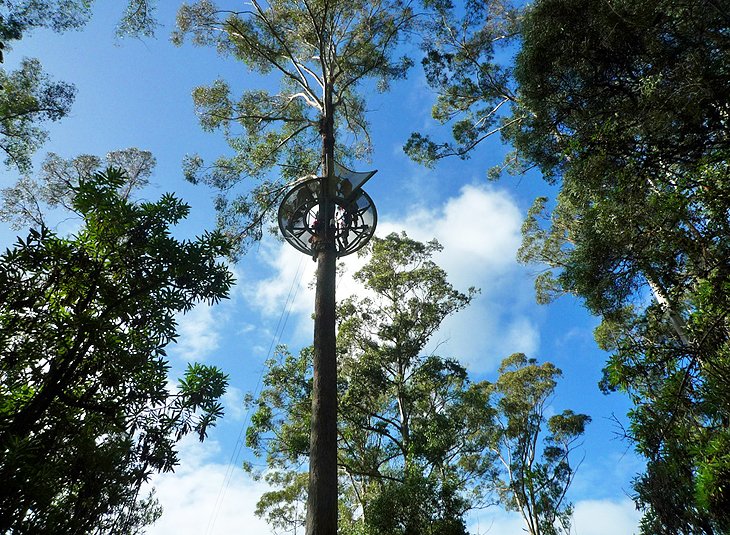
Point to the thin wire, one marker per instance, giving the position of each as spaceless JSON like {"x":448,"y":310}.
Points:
{"x":238,"y":448}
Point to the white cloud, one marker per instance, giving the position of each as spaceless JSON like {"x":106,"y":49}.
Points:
{"x":206,"y":498}
{"x":482,"y":335}
{"x":199,"y":333}
{"x":605,"y":517}
{"x":609,"y":474}
{"x":522,"y":336}
{"x":489,"y":522}
{"x":233,"y":403}
{"x":287,"y":296}
{"x":480,"y":232}
{"x":479,"y":229}
{"x":590,"y":517}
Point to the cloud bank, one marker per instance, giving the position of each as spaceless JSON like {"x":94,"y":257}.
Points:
{"x":199,"y":333}
{"x":479,"y":229}
{"x":590,"y":517}
{"x":204,"y":497}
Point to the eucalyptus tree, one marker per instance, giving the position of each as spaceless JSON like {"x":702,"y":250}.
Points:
{"x":420,"y":444}
{"x":534,"y":479}
{"x":629,"y":117}
{"x":29,"y":97}
{"x":413,"y":429}
{"x":468,"y":47}
{"x":414,"y":425}
{"x":18,"y":18}
{"x":34,"y":201}
{"x":322,"y":52}
{"x":623,"y":105}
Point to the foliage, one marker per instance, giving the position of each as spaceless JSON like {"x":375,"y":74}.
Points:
{"x":86,"y":413}
{"x":30,"y":200}
{"x":323,"y":52}
{"x":534,"y":480}
{"x":412,"y":428}
{"x":465,"y":47}
{"x":628,"y":115}
{"x":18,"y":18}
{"x":138,"y":19}
{"x":28,"y":97}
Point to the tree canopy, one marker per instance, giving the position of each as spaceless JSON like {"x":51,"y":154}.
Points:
{"x":628,"y":116}
{"x":28,"y":96}
{"x":322,"y":52}
{"x":534,"y":478}
{"x":466,"y":46}
{"x":86,"y":413}
{"x":405,"y":419}
{"x":31,"y":201}
{"x":622,"y":105}
{"x":420,"y":444}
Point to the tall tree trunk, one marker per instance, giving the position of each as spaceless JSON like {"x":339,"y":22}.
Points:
{"x":674,"y":318}
{"x":322,"y":496}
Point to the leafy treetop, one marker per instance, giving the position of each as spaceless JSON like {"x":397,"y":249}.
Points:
{"x":86,"y":413}
{"x":322,"y":52}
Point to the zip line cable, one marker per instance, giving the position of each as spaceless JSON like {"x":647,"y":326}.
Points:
{"x":238,"y":448}
{"x":278,"y":332}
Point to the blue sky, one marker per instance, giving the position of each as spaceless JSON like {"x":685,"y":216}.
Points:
{"x":134,"y":93}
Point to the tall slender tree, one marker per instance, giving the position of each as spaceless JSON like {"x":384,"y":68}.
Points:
{"x":413,"y":429}
{"x":534,"y":479}
{"x":420,"y":444}
{"x":321,"y":51}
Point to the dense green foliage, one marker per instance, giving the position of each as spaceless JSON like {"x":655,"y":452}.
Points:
{"x":624,"y":106}
{"x":419,"y":443}
{"x":413,"y":426}
{"x":86,"y":413}
{"x":322,"y":52}
{"x":629,"y":111}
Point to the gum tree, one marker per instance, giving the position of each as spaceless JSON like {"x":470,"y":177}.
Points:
{"x":467,"y":46}
{"x":420,"y":444}
{"x":29,"y":97}
{"x":533,"y":479}
{"x":322,"y":52}
{"x":623,"y":106}
{"x":34,"y":201}
{"x":412,"y":429}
